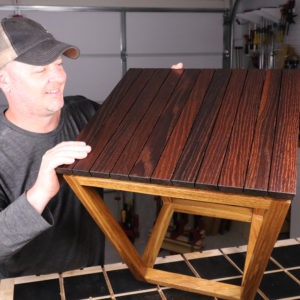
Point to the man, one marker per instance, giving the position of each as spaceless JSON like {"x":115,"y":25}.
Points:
{"x":43,"y":226}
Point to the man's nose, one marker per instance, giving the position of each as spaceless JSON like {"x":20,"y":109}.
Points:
{"x":58,"y":75}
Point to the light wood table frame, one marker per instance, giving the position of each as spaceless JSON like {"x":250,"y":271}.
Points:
{"x":265,"y":214}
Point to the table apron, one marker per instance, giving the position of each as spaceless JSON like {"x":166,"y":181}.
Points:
{"x":210,"y":196}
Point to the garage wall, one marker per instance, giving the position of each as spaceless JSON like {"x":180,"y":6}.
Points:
{"x":152,"y":39}
{"x":162,"y":39}
{"x":153,"y":4}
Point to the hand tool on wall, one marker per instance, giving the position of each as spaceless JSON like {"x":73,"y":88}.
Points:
{"x":197,"y":231}
{"x":267,"y":29}
{"x":129,"y":218}
{"x":287,"y":13}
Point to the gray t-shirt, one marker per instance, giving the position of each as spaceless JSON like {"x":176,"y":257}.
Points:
{"x":65,"y":237}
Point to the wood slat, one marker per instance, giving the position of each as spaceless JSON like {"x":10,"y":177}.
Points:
{"x":193,"y":153}
{"x":135,"y":146}
{"x":150,"y":155}
{"x":169,"y":158}
{"x":110,"y":154}
{"x":114,"y":98}
{"x":261,"y":153}
{"x":90,"y":131}
{"x":284,"y":162}
{"x":233,"y":173}
{"x":214,"y":156}
{"x":100,"y":138}
{"x":193,"y":129}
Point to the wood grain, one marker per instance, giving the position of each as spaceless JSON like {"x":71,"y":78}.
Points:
{"x":152,"y":150}
{"x":243,"y":200}
{"x":214,"y":155}
{"x":258,"y":172}
{"x":194,"y":284}
{"x":234,"y":169}
{"x":102,"y":135}
{"x":127,"y":128}
{"x":193,"y":153}
{"x":284,"y":161}
{"x":158,"y":233}
{"x":90,"y":131}
{"x":170,"y":156}
{"x":136,"y":144}
{"x":256,"y":224}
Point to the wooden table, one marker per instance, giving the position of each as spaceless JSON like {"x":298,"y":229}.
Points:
{"x":218,"y":143}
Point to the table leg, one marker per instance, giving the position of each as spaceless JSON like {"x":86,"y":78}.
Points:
{"x":257,"y":220}
{"x":101,"y":214}
{"x":7,"y":289}
{"x":264,"y":232}
{"x":158,"y":233}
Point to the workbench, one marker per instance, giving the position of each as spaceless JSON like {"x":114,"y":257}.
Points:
{"x":219,"y":143}
{"x":281,"y":278}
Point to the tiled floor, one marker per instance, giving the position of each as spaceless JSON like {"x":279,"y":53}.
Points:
{"x":281,"y":279}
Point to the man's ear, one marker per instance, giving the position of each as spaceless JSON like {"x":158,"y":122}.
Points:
{"x":4,"y":81}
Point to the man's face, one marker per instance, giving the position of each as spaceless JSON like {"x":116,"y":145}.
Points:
{"x":38,"y":89}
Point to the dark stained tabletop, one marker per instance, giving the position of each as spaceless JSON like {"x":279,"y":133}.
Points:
{"x":228,"y":130}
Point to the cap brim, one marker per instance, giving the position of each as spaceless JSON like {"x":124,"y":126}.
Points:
{"x":47,"y":52}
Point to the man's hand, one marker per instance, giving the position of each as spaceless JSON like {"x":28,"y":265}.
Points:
{"x":47,"y":183}
{"x":177,"y":66}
